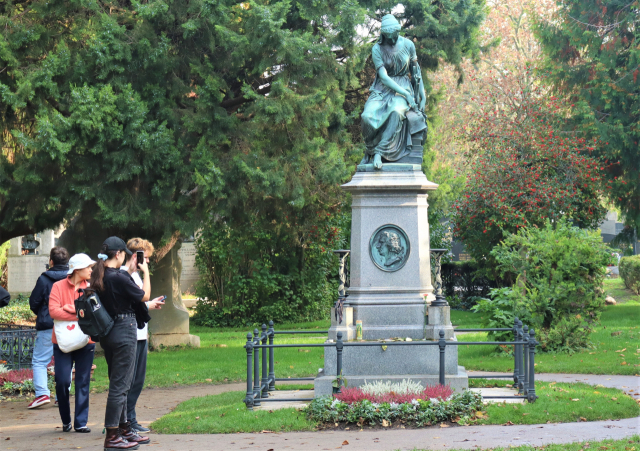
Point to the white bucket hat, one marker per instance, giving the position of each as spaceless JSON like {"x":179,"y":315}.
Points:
{"x":79,"y":261}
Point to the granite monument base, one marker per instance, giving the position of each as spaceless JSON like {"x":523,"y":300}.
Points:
{"x":396,"y":362}
{"x":389,"y":281}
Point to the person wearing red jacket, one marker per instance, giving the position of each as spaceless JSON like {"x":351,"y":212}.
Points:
{"x":62,"y":308}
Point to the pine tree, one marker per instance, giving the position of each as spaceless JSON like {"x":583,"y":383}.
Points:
{"x":153,"y":116}
{"x":593,"y":56}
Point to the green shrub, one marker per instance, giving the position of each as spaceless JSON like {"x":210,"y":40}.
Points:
{"x":630,"y":273}
{"x":17,"y":312}
{"x":558,"y":271}
{"x":255,"y":274}
{"x":500,"y":310}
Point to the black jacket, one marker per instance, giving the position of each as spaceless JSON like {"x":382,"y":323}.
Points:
{"x":4,"y":297}
{"x":39,"y":299}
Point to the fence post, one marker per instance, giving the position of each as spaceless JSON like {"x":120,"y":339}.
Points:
{"x":441,"y":344}
{"x":339,"y":346}
{"x":249,"y":398}
{"x":525,"y":346}
{"x":531,"y":393}
{"x":256,"y":369}
{"x":520,"y":359}
{"x":272,"y":373}
{"x":516,"y":362}
{"x":264,"y":384}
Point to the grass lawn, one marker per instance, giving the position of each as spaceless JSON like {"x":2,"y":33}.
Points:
{"x":603,"y":359}
{"x":561,"y":402}
{"x":616,"y":289}
{"x":222,"y":359}
{"x":627,"y":444}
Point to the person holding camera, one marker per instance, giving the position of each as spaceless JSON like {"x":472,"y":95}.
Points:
{"x":119,"y":295}
{"x":142,"y":250}
{"x":39,"y":304}
{"x":62,"y":309}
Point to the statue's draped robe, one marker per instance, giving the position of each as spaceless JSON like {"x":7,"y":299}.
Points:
{"x":384,"y":126}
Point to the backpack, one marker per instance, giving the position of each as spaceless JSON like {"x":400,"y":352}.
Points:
{"x":93,"y":318}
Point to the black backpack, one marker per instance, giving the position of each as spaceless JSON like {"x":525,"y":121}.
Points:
{"x":93,"y":318}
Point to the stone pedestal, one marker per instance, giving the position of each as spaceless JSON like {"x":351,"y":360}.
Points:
{"x":439,"y":318}
{"x":389,"y":301}
{"x":169,"y":326}
{"x":390,"y":265}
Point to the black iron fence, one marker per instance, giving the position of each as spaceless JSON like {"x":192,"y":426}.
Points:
{"x":16,"y":346}
{"x":261,"y":378}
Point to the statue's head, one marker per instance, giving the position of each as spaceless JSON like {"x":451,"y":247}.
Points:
{"x":390,"y":29}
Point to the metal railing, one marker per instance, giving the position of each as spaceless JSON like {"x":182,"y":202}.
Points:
{"x":259,"y":385}
{"x":16,"y":346}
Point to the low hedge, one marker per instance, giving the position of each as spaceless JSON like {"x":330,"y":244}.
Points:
{"x":630,"y":272}
{"x":460,"y":407}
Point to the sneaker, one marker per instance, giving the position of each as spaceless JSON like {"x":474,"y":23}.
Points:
{"x":66,"y":427}
{"x":139,"y":428}
{"x":83,"y":429}
{"x":40,"y":400}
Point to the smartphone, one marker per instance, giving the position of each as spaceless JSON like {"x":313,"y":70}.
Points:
{"x":163,"y":298}
{"x":140,"y":257}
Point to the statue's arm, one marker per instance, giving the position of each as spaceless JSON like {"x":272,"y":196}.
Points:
{"x":416,"y":73}
{"x":389,"y":83}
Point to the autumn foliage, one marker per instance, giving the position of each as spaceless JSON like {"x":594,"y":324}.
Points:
{"x":523,"y":166}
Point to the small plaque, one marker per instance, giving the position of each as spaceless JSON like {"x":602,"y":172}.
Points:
{"x":389,"y":248}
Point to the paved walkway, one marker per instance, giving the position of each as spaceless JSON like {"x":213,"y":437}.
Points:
{"x":39,"y":429}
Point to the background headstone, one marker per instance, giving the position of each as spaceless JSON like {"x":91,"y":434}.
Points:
{"x":24,"y":270}
{"x":169,"y":326}
{"x":190,"y":274}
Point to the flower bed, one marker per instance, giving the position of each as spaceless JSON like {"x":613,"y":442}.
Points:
{"x":384,"y":404}
{"x":355,"y":394}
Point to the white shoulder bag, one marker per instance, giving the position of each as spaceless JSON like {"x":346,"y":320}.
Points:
{"x":69,"y":335}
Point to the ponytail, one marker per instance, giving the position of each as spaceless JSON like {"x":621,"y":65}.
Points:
{"x":97,"y":275}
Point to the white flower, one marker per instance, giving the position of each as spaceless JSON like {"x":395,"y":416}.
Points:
{"x":393,"y":405}
{"x":335,"y":402}
{"x":434,"y":401}
{"x":415,"y":402}
{"x":380,"y":388}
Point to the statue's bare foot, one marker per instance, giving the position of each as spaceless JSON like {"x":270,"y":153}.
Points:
{"x":377,"y":161}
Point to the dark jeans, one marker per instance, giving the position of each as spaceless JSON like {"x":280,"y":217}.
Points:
{"x":120,"y":351}
{"x":83,"y":359}
{"x":139,"y":373}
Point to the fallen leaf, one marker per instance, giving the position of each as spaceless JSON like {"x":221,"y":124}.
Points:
{"x":208,"y":380}
{"x":614,"y":399}
{"x":575,"y":399}
{"x":583,"y":419}
{"x":444,"y":425}
{"x":525,"y":414}
{"x":266,"y":432}
{"x":345,"y":442}
{"x":385,"y":423}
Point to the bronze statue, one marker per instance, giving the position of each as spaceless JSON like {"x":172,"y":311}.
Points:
{"x":394,"y":111}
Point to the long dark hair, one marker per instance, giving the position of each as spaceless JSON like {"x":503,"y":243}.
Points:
{"x":97,"y":275}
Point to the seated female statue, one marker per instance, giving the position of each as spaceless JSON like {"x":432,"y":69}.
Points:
{"x":395,"y":108}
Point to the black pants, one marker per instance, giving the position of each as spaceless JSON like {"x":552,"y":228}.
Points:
{"x":139,"y":373}
{"x":120,"y":351}
{"x":83,"y":359}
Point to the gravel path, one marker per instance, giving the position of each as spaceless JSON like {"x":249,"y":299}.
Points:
{"x":39,"y":429}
